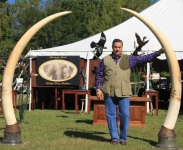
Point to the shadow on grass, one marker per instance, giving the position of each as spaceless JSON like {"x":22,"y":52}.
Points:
{"x":2,"y":128}
{"x":62,"y":116}
{"x":180,"y":115}
{"x":84,"y":121}
{"x":85,"y":135}
{"x":152,"y":143}
{"x":71,"y":112}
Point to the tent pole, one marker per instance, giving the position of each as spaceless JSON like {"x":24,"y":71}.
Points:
{"x":147,"y":83}
{"x":87,"y":80}
{"x":30,"y":85}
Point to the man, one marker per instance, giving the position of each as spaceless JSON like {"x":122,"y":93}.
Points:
{"x":113,"y":82}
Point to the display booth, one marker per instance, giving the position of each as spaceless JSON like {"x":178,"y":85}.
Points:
{"x":58,"y":73}
{"x":61,"y":75}
{"x":171,"y":27}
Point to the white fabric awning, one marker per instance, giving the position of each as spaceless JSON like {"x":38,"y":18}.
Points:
{"x":165,"y":14}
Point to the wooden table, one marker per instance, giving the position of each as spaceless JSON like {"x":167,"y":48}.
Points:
{"x":156,"y":94}
{"x":76,"y":93}
{"x":137,"y":111}
{"x":54,"y":99}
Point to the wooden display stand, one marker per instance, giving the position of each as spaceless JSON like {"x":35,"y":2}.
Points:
{"x":42,"y":90}
{"x":156,"y":94}
{"x":76,"y":93}
{"x":137,"y":111}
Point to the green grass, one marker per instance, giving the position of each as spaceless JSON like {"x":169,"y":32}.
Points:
{"x":57,"y":130}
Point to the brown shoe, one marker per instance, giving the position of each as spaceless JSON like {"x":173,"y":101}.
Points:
{"x":123,"y":143}
{"x":114,"y":142}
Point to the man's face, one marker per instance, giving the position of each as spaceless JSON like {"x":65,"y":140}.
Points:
{"x":117,"y":49}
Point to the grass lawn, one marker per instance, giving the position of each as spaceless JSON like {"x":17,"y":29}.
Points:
{"x":57,"y":130}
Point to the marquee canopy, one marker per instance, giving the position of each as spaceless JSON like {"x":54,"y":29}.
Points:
{"x":165,"y":14}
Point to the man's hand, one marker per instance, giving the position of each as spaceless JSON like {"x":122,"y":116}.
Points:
{"x":161,"y":51}
{"x":99,"y":94}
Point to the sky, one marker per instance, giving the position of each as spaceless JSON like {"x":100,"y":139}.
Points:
{"x":11,"y":1}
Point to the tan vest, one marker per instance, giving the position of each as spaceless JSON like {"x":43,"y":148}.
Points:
{"x":117,"y":77}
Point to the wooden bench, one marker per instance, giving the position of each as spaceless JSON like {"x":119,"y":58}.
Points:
{"x":137,"y":111}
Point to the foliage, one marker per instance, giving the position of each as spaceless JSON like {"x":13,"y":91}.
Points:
{"x":88,"y":17}
{"x":28,"y":13}
{"x":23,"y":96}
{"x":136,"y":81}
{"x":57,"y":130}
{"x":165,"y":74}
{"x":6,"y":30}
{"x":23,"y":100}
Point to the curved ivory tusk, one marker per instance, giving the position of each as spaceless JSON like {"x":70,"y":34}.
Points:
{"x":175,"y":96}
{"x":12,"y":61}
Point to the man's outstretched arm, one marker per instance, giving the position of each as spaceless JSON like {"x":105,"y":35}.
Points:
{"x":138,"y":60}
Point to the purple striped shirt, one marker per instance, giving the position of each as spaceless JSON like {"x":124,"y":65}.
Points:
{"x":133,"y":62}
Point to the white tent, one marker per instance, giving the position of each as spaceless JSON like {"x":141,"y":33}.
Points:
{"x":166,"y":14}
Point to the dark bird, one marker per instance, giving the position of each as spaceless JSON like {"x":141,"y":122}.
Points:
{"x":99,"y":46}
{"x":140,"y":42}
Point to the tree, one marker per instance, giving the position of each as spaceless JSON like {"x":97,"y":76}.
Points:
{"x":6,"y":31}
{"x":28,"y":13}
{"x":89,"y":17}
{"x":3,"y":1}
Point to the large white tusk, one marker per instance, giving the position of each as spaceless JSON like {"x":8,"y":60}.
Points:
{"x":175,"y":96}
{"x":12,"y":61}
